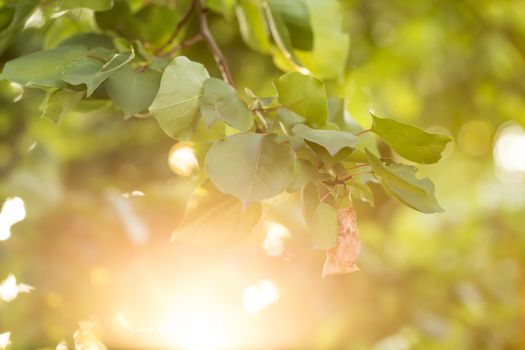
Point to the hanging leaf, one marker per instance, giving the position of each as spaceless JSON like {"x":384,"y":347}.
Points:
{"x":250,"y":166}
{"x":304,"y":95}
{"x":132,"y":90}
{"x":332,"y":140}
{"x":93,"y":70}
{"x":42,"y":67}
{"x":220,"y":101}
{"x":400,"y":182}
{"x":252,"y":25}
{"x":179,"y":96}
{"x":409,"y":141}
{"x":95,"y":5}
{"x":342,"y":258}
{"x":215,"y":219}
{"x":57,"y":103}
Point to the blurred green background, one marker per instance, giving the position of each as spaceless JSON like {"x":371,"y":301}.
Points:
{"x":444,"y":281}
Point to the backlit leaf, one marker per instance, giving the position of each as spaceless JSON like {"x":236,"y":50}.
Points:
{"x":57,"y":103}
{"x":220,"y":101}
{"x":95,"y":5}
{"x":250,"y":166}
{"x":409,"y":141}
{"x":215,"y":219}
{"x":132,"y":90}
{"x":332,"y":140}
{"x":305,"y":95}
{"x":400,"y":182}
{"x":252,"y":25}
{"x":179,"y":96}
{"x":93,"y":71}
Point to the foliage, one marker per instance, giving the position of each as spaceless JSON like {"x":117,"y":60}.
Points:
{"x":274,"y":105}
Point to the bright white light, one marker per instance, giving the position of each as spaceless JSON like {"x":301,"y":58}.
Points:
{"x":259,"y":296}
{"x":273,"y":244}
{"x":134,"y":193}
{"x":85,"y":338}
{"x":18,"y":90}
{"x":5,"y":340}
{"x":36,"y":20}
{"x":509,"y":154}
{"x":9,"y":289}
{"x":13,"y":211}
{"x":62,"y":346}
{"x":182,"y":160}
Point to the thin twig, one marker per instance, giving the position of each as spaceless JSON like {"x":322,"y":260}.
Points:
{"x":178,"y":28}
{"x":363,"y":132}
{"x":186,"y":43}
{"x":216,"y":51}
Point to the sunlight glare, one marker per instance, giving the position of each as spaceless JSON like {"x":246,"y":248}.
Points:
{"x":259,"y":296}
{"x":9,"y":289}
{"x":13,"y":211}
{"x":273,"y":244}
{"x":5,"y":340}
{"x":509,"y":154}
{"x":182,"y":160}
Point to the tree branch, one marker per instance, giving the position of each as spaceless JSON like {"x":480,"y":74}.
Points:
{"x":216,"y":51}
{"x":178,"y":28}
{"x":186,"y":43}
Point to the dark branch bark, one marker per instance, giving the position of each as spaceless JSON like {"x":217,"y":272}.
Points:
{"x":216,"y":51}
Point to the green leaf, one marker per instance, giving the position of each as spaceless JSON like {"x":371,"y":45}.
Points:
{"x":95,"y":5}
{"x":215,"y":219}
{"x":220,"y":101}
{"x":296,"y":19}
{"x":324,"y":227}
{"x":250,"y":166}
{"x":224,"y":7}
{"x":42,"y":67}
{"x":93,"y":71}
{"x":179,"y":96}
{"x":400,"y":182}
{"x":305,"y":172}
{"x":12,"y":20}
{"x":120,"y":20}
{"x":157,"y":23}
{"x":309,"y":201}
{"x":58,"y":102}
{"x":362,"y":191}
{"x":132,"y":90}
{"x":409,"y":141}
{"x":332,"y":140}
{"x":328,"y":59}
{"x":252,"y":25}
{"x":304,"y":95}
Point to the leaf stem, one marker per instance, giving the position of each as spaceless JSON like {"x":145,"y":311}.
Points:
{"x":178,"y":28}
{"x":216,"y":51}
{"x":363,"y":132}
{"x":186,"y":43}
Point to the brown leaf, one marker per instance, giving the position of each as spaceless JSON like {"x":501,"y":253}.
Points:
{"x":342,"y":258}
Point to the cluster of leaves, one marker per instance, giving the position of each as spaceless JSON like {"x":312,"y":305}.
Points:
{"x":252,"y":147}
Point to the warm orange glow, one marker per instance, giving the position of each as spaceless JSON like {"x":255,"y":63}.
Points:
{"x":257,"y":297}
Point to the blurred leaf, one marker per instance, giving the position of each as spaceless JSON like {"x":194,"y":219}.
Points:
{"x":331,"y":44}
{"x":120,"y":20}
{"x":95,"y":5}
{"x":224,"y":7}
{"x":409,"y":141}
{"x":250,"y":166}
{"x":296,"y":19}
{"x":304,"y":95}
{"x":93,"y":70}
{"x":132,"y":90}
{"x":42,"y":67}
{"x":305,"y":172}
{"x":220,"y":101}
{"x":252,"y":25}
{"x":324,"y":227}
{"x":179,"y":96}
{"x":157,"y":23}
{"x":57,"y":103}
{"x":332,"y":140}
{"x":12,"y":19}
{"x":400,"y":182}
{"x":215,"y":219}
